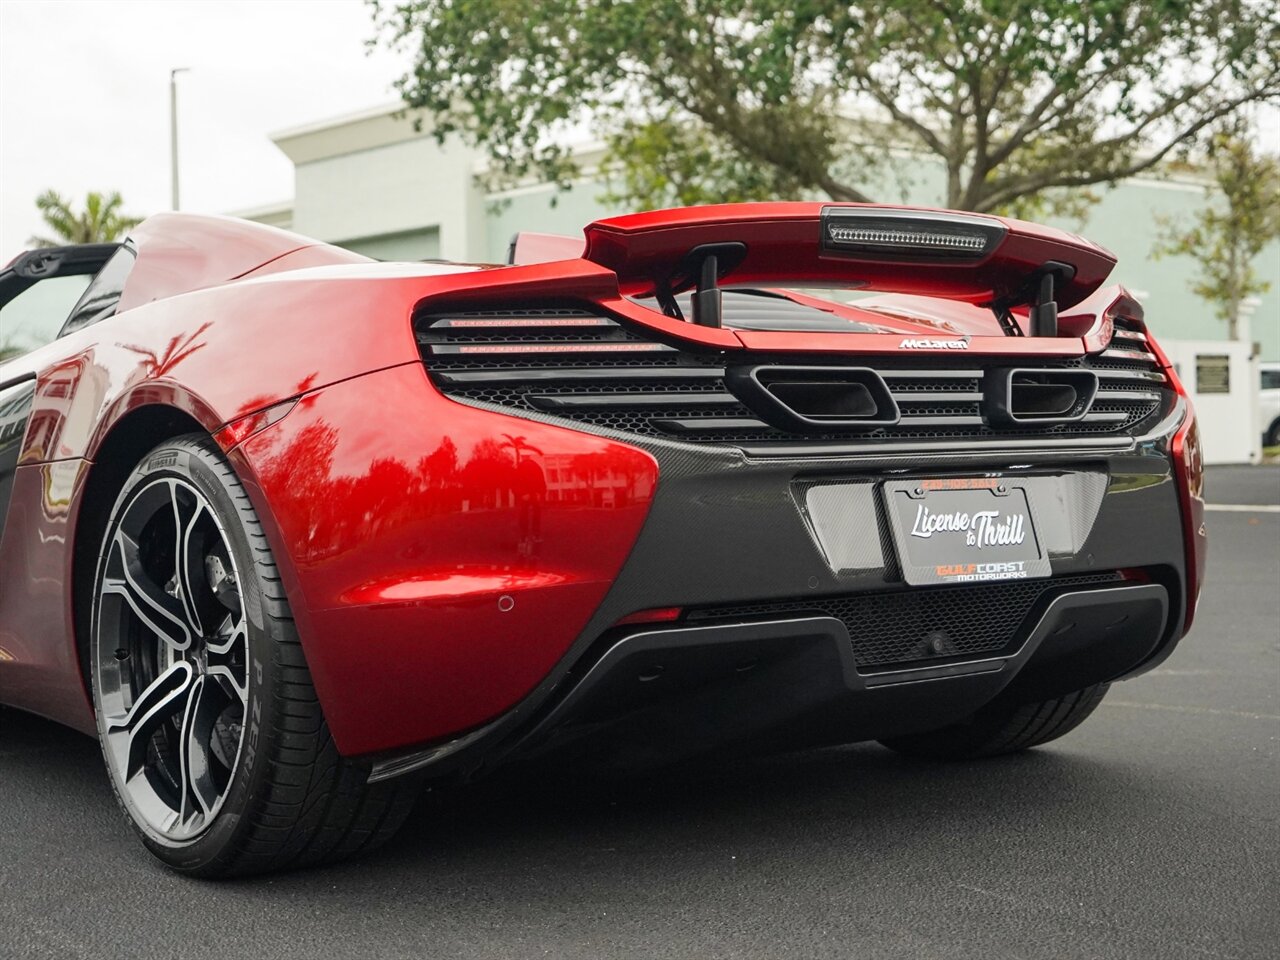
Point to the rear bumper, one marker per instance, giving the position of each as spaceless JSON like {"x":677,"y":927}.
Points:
{"x":730,"y":540}
{"x":662,"y":695}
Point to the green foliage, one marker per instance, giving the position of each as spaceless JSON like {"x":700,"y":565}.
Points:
{"x":656,"y":162}
{"x":1225,"y":239}
{"x":100,"y":222}
{"x":1020,"y":101}
{"x":9,"y":350}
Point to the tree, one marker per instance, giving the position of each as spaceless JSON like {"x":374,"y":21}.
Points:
{"x":1225,"y":239}
{"x":100,"y":222}
{"x":706,"y":100}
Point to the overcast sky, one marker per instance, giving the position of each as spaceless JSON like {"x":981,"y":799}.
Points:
{"x":84,"y":97}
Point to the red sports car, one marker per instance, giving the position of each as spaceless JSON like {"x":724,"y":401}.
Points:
{"x":291,"y":531}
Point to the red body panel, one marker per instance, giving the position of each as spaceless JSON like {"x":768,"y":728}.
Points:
{"x":1188,"y":455}
{"x":228,"y":350}
{"x":544,"y":248}
{"x":39,"y":666}
{"x":217,"y":354}
{"x":190,"y":253}
{"x":445,"y":557}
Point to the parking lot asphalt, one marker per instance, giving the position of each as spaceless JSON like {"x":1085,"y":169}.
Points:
{"x":1243,"y":485}
{"x":1151,"y":831}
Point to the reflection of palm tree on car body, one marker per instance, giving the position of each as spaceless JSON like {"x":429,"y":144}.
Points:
{"x":530,"y":490}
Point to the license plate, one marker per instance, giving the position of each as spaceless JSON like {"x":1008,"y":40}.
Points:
{"x":964,"y":530}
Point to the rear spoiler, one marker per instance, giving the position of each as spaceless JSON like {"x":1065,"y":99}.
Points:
{"x":991,"y":261}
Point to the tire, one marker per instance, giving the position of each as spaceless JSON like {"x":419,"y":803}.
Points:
{"x":214,"y":740}
{"x":1003,"y":728}
{"x":1272,"y":437}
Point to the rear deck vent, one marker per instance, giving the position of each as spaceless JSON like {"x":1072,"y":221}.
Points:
{"x":582,"y":366}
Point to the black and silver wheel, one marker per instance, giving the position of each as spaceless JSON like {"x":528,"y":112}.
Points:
{"x":171,"y":660}
{"x":213,"y":737}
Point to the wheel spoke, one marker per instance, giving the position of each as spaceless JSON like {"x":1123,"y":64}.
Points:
{"x":166,"y":697}
{"x":164,"y":615}
{"x":188,"y":560}
{"x":228,"y":660}
{"x":196,"y":779}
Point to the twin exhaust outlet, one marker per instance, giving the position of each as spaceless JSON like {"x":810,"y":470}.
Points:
{"x":804,"y":399}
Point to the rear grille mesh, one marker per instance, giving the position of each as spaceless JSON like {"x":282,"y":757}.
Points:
{"x":927,"y":624}
{"x":588,"y":368}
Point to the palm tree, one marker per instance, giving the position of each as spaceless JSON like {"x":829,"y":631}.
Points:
{"x":101,"y":221}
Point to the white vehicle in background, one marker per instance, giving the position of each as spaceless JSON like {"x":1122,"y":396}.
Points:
{"x":1269,"y":403}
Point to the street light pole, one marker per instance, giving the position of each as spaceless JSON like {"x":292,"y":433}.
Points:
{"x":173,"y":130}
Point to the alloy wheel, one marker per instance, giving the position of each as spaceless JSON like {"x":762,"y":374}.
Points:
{"x":170,"y":657}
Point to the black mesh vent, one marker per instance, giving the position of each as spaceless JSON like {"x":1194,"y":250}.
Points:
{"x":927,"y":624}
{"x":589,"y":368}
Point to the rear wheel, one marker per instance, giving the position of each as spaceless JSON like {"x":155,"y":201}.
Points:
{"x":214,"y":739}
{"x":1003,"y":728}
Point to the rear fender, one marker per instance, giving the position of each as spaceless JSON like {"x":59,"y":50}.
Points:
{"x":440,"y":559}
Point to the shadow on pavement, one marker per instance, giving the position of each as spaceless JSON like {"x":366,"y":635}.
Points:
{"x":860,"y":794}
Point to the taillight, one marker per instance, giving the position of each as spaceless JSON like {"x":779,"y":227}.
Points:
{"x":508,"y":322}
{"x":1134,"y":575}
{"x":886,"y":234}
{"x":1188,"y":468}
{"x":523,"y":348}
{"x":655,"y":615}
{"x":1188,"y":462}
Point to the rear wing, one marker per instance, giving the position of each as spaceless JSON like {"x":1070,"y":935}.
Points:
{"x":1007,"y":265}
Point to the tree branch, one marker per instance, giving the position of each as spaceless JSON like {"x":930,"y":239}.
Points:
{"x":1033,"y":183}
